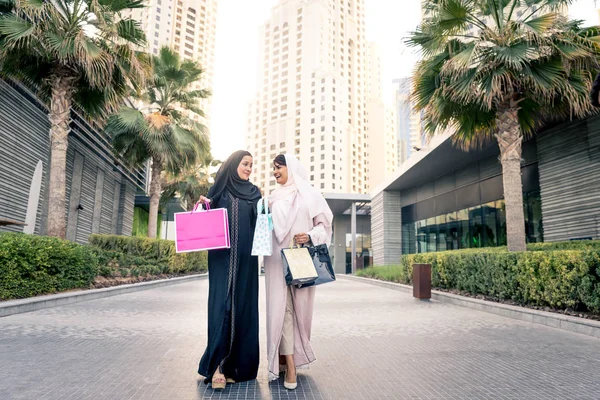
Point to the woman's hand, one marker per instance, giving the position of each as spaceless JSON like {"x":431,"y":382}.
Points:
{"x":302,"y":238}
{"x":204,"y":200}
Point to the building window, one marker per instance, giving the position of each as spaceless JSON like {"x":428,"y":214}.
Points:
{"x":473,"y":227}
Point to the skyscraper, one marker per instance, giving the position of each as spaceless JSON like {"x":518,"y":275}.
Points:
{"x":381,"y":123}
{"x":409,"y":129}
{"x":311,"y":98}
{"x":187,"y":26}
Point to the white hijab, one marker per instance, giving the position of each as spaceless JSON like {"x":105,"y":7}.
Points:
{"x":283,"y":201}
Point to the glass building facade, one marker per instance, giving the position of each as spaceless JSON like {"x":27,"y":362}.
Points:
{"x":470,"y":217}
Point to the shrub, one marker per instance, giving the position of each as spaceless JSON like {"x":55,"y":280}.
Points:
{"x":572,"y":245}
{"x":33,"y":265}
{"x":156,"y":251}
{"x":560,"y":278}
{"x":137,"y":256}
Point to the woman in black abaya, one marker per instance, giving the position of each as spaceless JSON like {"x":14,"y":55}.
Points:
{"x":232,"y":353}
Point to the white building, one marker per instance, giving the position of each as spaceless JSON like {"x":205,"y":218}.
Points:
{"x":381,"y":123}
{"x":187,"y":26}
{"x":409,"y":126}
{"x":312,"y":91}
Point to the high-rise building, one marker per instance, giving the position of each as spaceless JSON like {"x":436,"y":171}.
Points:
{"x":381,"y":124}
{"x":409,"y":124}
{"x":312,"y":90}
{"x":187,"y":26}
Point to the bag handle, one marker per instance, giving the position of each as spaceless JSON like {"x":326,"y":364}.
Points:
{"x":206,"y":206}
{"x":263,"y":205}
{"x":293,"y":242}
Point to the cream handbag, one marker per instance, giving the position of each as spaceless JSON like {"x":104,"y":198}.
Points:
{"x":298,"y":267}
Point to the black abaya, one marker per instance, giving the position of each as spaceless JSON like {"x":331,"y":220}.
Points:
{"x":233,"y":298}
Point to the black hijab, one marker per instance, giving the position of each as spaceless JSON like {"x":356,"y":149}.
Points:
{"x":227,"y":179}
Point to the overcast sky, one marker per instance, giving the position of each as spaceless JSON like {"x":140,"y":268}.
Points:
{"x":387,"y":23}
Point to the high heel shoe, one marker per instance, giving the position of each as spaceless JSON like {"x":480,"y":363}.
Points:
{"x":290,"y":385}
{"x":219,"y":383}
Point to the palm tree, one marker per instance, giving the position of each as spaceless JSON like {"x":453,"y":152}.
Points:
{"x":502,"y":69}
{"x":190,"y":184}
{"x":162,"y":130}
{"x":77,"y":53}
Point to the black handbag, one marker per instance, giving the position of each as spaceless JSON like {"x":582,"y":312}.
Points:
{"x":322,"y":262}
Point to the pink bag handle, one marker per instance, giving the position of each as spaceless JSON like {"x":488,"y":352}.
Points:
{"x":206,"y":206}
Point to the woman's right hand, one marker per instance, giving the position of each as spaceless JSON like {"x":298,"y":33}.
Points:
{"x":204,"y":200}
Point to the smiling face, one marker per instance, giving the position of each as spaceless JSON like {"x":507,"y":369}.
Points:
{"x":245,"y":168}
{"x":280,"y":172}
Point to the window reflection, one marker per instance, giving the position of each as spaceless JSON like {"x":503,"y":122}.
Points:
{"x":463,"y":228}
{"x":474,"y":227}
{"x":363,"y":251}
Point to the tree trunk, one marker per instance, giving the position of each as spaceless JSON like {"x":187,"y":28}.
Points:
{"x":60,"y":115}
{"x":510,"y":140}
{"x":155,"y":189}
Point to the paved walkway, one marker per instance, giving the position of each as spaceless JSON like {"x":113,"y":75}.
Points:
{"x":371,"y":343}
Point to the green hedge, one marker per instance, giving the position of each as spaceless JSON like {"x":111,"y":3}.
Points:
{"x":137,"y":256}
{"x":33,"y":265}
{"x":572,"y":245}
{"x":560,"y":278}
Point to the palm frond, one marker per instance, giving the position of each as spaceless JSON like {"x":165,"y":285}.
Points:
{"x":14,"y":28}
{"x":131,"y":31}
{"x":120,"y":5}
{"x":480,"y":57}
{"x":79,"y":40}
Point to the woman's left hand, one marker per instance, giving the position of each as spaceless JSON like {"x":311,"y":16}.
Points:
{"x":302,"y":238}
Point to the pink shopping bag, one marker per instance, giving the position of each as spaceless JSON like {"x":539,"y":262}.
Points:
{"x":201,"y":230}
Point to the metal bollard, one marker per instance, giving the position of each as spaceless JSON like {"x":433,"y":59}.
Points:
{"x":422,"y":281}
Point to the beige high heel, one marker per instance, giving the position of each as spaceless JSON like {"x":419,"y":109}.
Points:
{"x":290,"y":385}
{"x":219,"y":383}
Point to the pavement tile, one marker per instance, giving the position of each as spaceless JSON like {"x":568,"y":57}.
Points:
{"x":371,"y":343}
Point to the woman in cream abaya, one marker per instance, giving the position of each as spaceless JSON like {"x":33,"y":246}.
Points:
{"x":300,"y":213}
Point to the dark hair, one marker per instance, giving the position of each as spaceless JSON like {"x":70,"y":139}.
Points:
{"x":280,"y":160}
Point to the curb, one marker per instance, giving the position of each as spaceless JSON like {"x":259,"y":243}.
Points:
{"x":20,"y":306}
{"x":565,"y":322}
